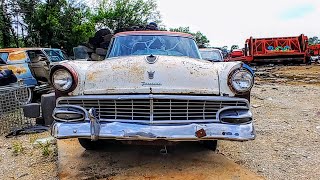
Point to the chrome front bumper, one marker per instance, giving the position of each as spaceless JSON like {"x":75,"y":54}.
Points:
{"x":129,"y":131}
{"x":91,"y":127}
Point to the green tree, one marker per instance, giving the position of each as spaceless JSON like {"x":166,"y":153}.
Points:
{"x":56,"y":23}
{"x":7,"y":34}
{"x":117,"y":14}
{"x":201,"y":40}
{"x":314,"y":40}
{"x":233,"y":47}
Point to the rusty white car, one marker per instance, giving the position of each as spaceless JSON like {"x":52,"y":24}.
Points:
{"x":153,"y":85}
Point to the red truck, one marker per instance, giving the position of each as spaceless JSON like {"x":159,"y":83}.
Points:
{"x":279,"y":49}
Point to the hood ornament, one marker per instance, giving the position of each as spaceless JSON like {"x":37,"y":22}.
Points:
{"x":151,"y":59}
{"x":151,"y":74}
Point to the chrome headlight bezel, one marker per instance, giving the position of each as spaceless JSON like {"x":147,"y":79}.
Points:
{"x":241,"y":80}
{"x":63,"y":79}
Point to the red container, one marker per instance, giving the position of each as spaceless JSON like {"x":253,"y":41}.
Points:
{"x":278,"y":49}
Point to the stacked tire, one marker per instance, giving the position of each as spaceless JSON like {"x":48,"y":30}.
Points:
{"x":97,"y":46}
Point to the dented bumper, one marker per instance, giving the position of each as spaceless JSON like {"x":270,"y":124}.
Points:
{"x":128,"y":131}
{"x":115,"y":117}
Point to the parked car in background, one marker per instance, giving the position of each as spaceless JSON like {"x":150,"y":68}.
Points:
{"x":153,"y":85}
{"x":31,"y":66}
{"x":236,"y":53}
{"x":210,"y":54}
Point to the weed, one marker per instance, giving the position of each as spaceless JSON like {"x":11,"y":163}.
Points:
{"x":17,"y":148}
{"x":46,"y":149}
{"x":33,"y":138}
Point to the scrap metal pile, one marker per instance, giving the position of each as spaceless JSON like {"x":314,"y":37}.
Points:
{"x":11,"y":101}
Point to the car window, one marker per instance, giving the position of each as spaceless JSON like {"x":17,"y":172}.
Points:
{"x":155,"y":45}
{"x":55,"y":55}
{"x":80,"y":53}
{"x":4,"y":56}
{"x":34,"y":54}
{"x":211,"y":55}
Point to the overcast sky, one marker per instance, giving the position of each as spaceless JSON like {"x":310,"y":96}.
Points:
{"x":228,"y":22}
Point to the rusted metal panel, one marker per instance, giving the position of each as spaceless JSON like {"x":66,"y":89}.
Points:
{"x":133,"y":76}
{"x":18,"y":62}
{"x":17,"y":57}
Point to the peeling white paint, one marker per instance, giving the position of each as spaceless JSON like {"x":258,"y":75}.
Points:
{"x":172,"y":75}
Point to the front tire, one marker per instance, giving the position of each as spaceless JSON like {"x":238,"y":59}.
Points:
{"x":91,"y":145}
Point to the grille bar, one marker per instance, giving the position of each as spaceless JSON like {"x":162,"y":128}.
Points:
{"x":155,"y":108}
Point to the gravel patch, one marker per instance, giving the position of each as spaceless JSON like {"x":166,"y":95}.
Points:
{"x":288,"y":133}
{"x":20,"y":160}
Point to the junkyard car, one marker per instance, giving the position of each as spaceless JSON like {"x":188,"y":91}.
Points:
{"x":31,"y":65}
{"x":153,"y":85}
{"x":211,"y":54}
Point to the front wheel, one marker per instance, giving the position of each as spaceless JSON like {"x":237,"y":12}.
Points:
{"x":211,"y":144}
{"x":91,"y":145}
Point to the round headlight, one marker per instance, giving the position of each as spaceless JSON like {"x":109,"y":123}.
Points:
{"x":62,"y":80}
{"x":241,"y":80}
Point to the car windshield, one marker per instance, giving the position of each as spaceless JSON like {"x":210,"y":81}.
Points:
{"x":211,"y":55}
{"x":155,"y":45}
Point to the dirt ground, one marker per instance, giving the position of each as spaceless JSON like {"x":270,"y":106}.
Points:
{"x":287,"y":121}
{"x":185,"y":161}
{"x":19,"y":159}
{"x":286,"y":108}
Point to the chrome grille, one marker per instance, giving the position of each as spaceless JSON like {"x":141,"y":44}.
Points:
{"x":151,"y":108}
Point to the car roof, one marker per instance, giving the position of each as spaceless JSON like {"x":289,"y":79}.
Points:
{"x":10,"y":50}
{"x":164,"y":33}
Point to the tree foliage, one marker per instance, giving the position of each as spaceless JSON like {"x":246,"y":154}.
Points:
{"x":117,"y":14}
{"x":7,"y":33}
{"x":233,"y":47}
{"x":56,"y":23}
{"x":314,"y":40}
{"x":201,"y":40}
{"x":68,"y":23}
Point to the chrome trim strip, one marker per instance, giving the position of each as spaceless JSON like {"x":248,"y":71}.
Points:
{"x":57,"y":110}
{"x":154,"y":96}
{"x":229,"y":108}
{"x":149,"y":118}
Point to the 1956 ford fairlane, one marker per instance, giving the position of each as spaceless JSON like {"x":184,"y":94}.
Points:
{"x":153,"y":85}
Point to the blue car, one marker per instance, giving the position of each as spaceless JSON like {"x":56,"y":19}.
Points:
{"x":31,"y":66}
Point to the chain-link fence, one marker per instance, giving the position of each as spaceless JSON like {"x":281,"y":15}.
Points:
{"x":12,"y":98}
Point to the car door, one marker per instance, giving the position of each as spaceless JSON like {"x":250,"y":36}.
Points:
{"x":40,"y":64}
{"x":17,"y":61}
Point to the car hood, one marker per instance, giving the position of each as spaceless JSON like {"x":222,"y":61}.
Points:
{"x":167,"y":75}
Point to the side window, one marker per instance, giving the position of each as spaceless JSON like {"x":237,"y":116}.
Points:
{"x":36,"y":56}
{"x":54,"y":55}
